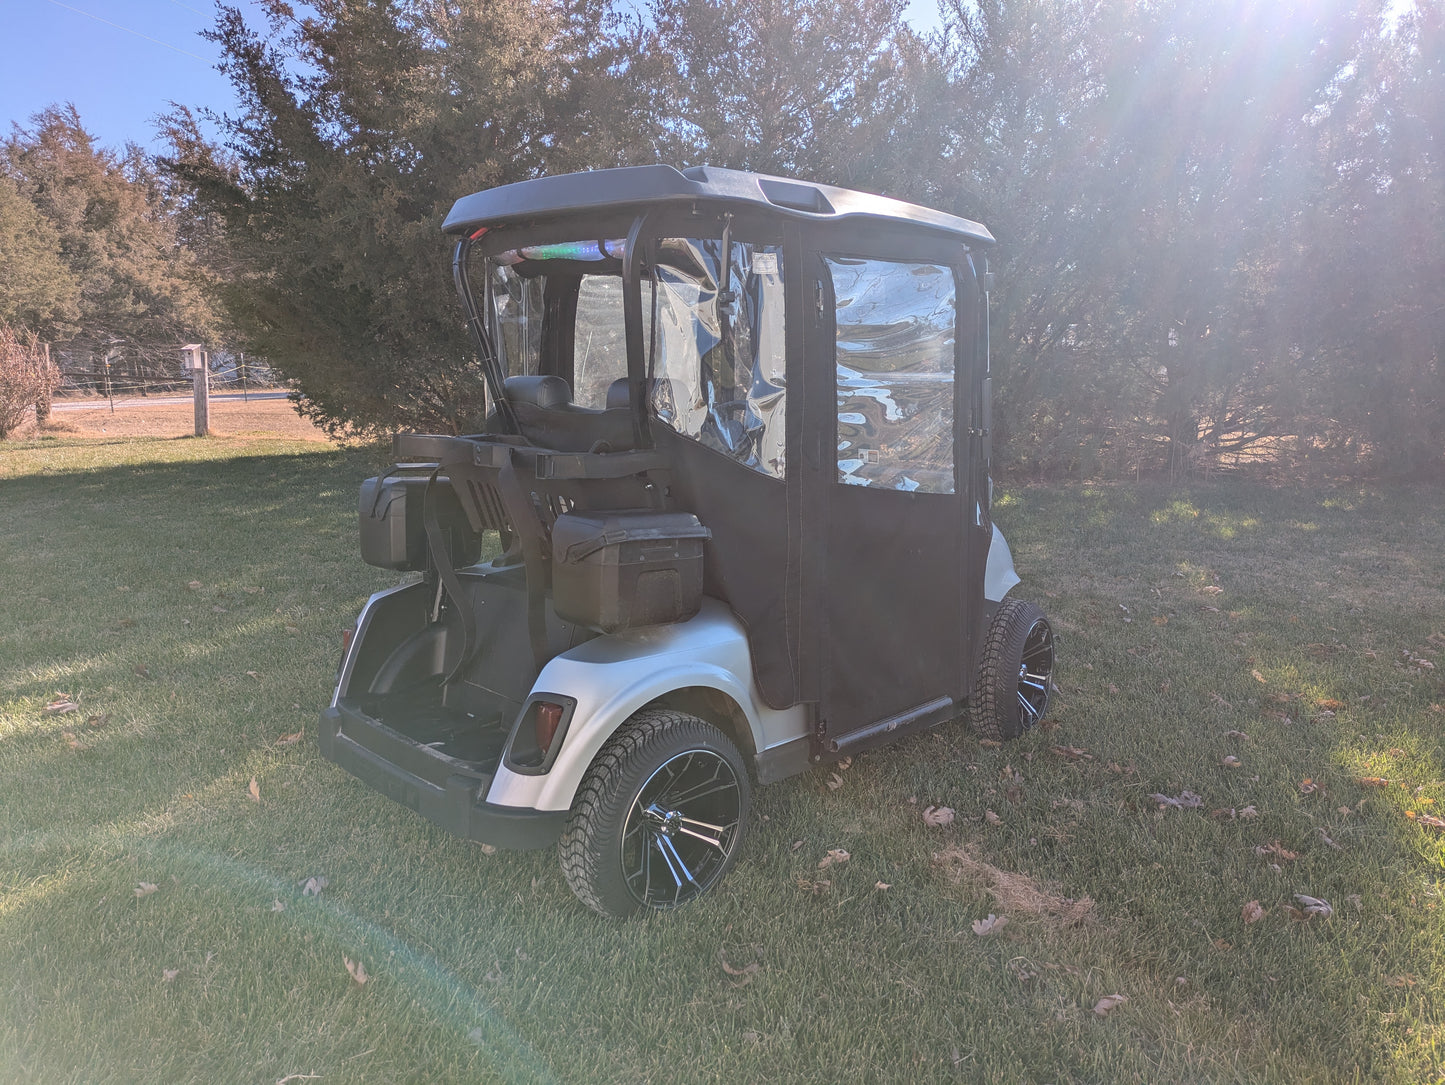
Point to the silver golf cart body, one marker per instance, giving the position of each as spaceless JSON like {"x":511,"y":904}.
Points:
{"x":666,"y":537}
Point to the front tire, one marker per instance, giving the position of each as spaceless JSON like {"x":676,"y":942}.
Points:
{"x":1015,"y":673}
{"x":659,"y":817}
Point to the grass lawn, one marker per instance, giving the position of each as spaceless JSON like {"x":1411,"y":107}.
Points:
{"x":155,"y":925}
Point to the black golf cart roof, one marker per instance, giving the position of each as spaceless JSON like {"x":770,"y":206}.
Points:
{"x":642,"y":186}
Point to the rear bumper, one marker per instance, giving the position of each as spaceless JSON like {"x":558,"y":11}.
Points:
{"x":440,"y":789}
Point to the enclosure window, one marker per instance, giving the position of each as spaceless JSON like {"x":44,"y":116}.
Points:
{"x":517,"y":306}
{"x":599,"y":345}
{"x":719,"y":374}
{"x":895,"y":368}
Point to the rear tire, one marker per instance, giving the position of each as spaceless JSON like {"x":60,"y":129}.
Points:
{"x":659,"y":817}
{"x":1015,"y":674}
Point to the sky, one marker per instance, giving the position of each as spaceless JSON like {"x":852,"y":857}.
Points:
{"x":122,"y":62}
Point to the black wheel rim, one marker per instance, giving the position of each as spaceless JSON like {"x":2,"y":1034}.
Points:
{"x":681,"y":829}
{"x":1036,"y":674}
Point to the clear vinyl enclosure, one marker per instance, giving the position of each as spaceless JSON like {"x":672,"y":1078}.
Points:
{"x":717,"y":365}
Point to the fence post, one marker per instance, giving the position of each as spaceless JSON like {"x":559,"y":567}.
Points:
{"x":42,"y":401}
{"x":200,"y":376}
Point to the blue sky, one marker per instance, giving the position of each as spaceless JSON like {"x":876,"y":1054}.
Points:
{"x":123,"y":61}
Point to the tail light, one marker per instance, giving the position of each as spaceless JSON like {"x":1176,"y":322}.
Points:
{"x":547,"y":718}
{"x":347,"y":636}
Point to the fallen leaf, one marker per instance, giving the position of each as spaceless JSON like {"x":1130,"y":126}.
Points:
{"x":254,"y":674}
{"x":745,"y":971}
{"x":1308,"y":786}
{"x":1108,"y":1002}
{"x":1212,"y":589}
{"x":1355,"y":901}
{"x":488,"y":849}
{"x":1326,"y":838}
{"x":814,"y":887}
{"x":882,"y":885}
{"x":278,"y":905}
{"x":1259,"y":677}
{"x":938,"y":816}
{"x":1314,"y":906}
{"x":255,"y":790}
{"x":1072,"y":753}
{"x":98,"y":721}
{"x":1372,"y":781}
{"x":1238,"y":736}
{"x":291,"y":739}
{"x":73,"y":742}
{"x":1187,"y":800}
{"x":845,"y":763}
{"x":292,"y":629}
{"x":194,"y":585}
{"x":992,"y":925}
{"x":797,"y":844}
{"x":1431,"y":820}
{"x":992,"y":818}
{"x":1161,"y":619}
{"x":834,"y":781}
{"x":835,"y":855}
{"x":1249,"y":812}
{"x":145,"y":889}
{"x":990,"y":743}
{"x":1406,"y":980}
{"x":1252,"y":912}
{"x":141,"y":670}
{"x":1229,"y":761}
{"x":1330,"y":704}
{"x":170,"y":973}
{"x":356,"y":968}
{"x":313,"y":887}
{"x":1277,"y":850}
{"x":1222,"y":945}
{"x":61,"y":705}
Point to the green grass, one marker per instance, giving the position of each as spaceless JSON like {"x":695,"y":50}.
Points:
{"x":484,"y":968}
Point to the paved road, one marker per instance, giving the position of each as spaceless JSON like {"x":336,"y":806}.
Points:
{"x":157,"y":401}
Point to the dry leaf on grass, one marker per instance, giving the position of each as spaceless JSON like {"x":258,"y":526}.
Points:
{"x":815,"y":887}
{"x":992,"y":925}
{"x":835,"y":855}
{"x":1072,"y":753}
{"x":1238,"y":736}
{"x":1229,"y":761}
{"x":1406,"y":980}
{"x":255,"y":790}
{"x":73,"y":742}
{"x":1274,"y":848}
{"x":356,"y":968}
{"x":1259,"y":677}
{"x":1252,"y":912}
{"x":1313,"y":907}
{"x":168,"y":974}
{"x":291,"y":739}
{"x":834,"y":781}
{"x":60,"y":705}
{"x":1109,"y":1002}
{"x":990,"y":743}
{"x":992,"y":818}
{"x":145,"y":889}
{"x":845,"y":763}
{"x":741,"y":976}
{"x":194,"y":585}
{"x":278,"y":905}
{"x":938,"y":816}
{"x":1308,"y":786}
{"x":1187,"y":800}
{"x":1426,"y":819}
{"x":313,"y":886}
{"x":882,"y":885}
{"x":1249,"y":812}
{"x":1372,"y":781}
{"x":1326,"y":838}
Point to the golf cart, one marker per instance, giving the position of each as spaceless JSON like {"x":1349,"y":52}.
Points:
{"x":733,"y":496}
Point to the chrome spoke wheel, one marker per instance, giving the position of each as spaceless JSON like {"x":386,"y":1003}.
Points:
{"x":1036,"y":672}
{"x":681,"y":829}
{"x":659,"y":817}
{"x":1015,"y":672}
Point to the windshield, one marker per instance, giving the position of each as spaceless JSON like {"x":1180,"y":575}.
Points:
{"x":717,"y":371}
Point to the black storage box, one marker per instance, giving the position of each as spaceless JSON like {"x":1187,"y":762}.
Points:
{"x":393,"y":528}
{"x":625,"y":569}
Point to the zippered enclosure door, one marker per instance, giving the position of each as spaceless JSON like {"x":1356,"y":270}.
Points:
{"x":895,"y":364}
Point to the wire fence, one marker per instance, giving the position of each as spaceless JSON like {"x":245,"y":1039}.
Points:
{"x":133,"y":369}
